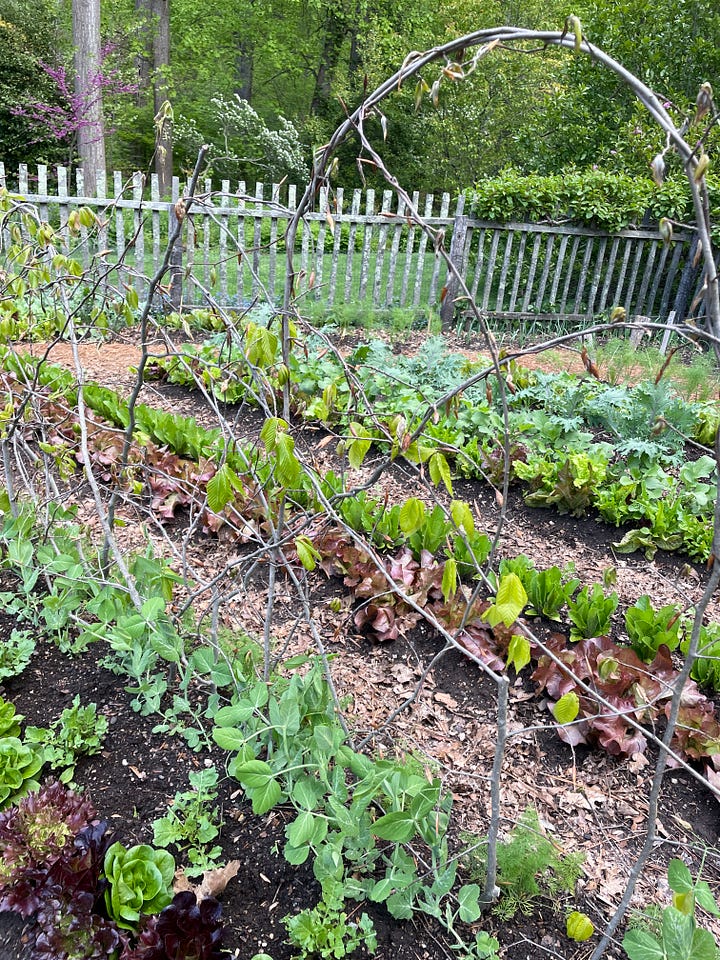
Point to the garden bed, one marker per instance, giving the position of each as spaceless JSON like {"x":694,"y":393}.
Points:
{"x":587,"y":802}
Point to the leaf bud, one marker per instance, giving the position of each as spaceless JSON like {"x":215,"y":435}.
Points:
{"x":657,"y":167}
{"x":435,"y":93}
{"x":701,"y":168}
{"x":704,"y":102}
{"x":665,"y":228}
{"x":573,"y":25}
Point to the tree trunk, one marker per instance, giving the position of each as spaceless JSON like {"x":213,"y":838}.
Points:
{"x":143,"y":62}
{"x":336,"y":32}
{"x":244,"y":68}
{"x":88,"y":90}
{"x":161,"y":95}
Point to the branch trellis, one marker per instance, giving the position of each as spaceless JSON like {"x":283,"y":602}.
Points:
{"x":277,"y":527}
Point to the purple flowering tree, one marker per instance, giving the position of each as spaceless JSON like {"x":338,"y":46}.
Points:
{"x":74,"y":116}
{"x":88,"y":91}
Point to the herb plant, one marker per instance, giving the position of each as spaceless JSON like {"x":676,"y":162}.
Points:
{"x":15,"y":653}
{"x":530,"y":866}
{"x":324,"y":931}
{"x":79,"y":731}
{"x":191,"y":823}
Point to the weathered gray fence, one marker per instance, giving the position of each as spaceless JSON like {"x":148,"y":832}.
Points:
{"x":358,"y":245}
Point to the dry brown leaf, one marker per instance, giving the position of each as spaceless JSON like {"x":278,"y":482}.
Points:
{"x":402,"y":672}
{"x":212,"y":884}
{"x":446,"y":700}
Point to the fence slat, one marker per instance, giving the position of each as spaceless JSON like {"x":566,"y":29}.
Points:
{"x":557,"y":275}
{"x":337,"y":220}
{"x":64,"y":208}
{"x":409,"y":245}
{"x":656,"y":281}
{"x":533,"y":269}
{"x":647,"y":271}
{"x":517,"y":273}
{"x":669,"y":283}
{"x":422,"y":246}
{"x":367,"y":241}
{"x":394,"y":253}
{"x":609,"y":274}
{"x":623,"y":270}
{"x":155,"y":222}
{"x":633,"y":277}
{"x":569,"y":274}
{"x":499,"y":302}
{"x":102,"y":226}
{"x":241,"y":243}
{"x":257,"y":239}
{"x":206,"y":221}
{"x":272,"y":249}
{"x":444,"y":209}
{"x":320,"y":246}
{"x":589,"y":244}
{"x":549,"y":245}
{"x":42,"y":173}
{"x":597,"y":272}
{"x":385,"y":211}
{"x":176,"y":254}
{"x":223,"y":217}
{"x":490,"y":270}
{"x":511,"y":269}
{"x":139,"y":233}
{"x":354,"y":214}
{"x":480,"y":262}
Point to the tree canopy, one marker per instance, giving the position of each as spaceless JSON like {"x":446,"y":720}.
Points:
{"x":267,"y":81}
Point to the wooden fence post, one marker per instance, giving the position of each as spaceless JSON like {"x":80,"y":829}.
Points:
{"x":457,"y":252}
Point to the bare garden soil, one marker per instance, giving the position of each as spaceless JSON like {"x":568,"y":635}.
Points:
{"x":586,"y":800}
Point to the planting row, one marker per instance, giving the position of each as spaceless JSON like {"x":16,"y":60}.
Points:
{"x":578,"y":443}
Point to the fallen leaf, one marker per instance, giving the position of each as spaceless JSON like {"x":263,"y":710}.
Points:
{"x":213,"y":881}
{"x":446,"y":700}
{"x":402,"y":672}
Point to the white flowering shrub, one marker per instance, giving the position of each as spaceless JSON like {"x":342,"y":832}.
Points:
{"x":242,"y":146}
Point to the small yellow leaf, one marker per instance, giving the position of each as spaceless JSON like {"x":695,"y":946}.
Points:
{"x":579,"y":926}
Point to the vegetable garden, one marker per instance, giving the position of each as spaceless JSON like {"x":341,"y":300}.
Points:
{"x":316,"y":649}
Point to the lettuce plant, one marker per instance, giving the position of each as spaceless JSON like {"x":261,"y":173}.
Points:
{"x":9,"y":721}
{"x":18,"y":765}
{"x":35,"y":833}
{"x":140,"y":881}
{"x":590,"y":613}
{"x":648,"y":628}
{"x":184,"y":930}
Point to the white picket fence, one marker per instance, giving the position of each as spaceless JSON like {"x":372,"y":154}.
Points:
{"x":356,"y":246}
